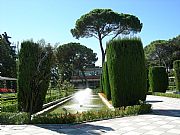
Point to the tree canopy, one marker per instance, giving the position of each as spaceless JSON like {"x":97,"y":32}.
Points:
{"x":7,"y":58}
{"x":163,"y":52}
{"x":73,"y":56}
{"x":100,"y":23}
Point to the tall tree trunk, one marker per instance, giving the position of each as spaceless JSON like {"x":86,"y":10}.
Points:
{"x":101,"y":46}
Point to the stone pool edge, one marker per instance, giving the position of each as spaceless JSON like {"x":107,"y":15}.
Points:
{"x":51,"y":107}
{"x":106,"y":102}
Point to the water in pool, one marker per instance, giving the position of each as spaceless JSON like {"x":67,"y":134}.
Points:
{"x":83,"y":100}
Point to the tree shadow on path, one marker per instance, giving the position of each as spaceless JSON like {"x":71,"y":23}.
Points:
{"x":76,"y":129}
{"x":172,"y":113}
{"x":153,"y":101}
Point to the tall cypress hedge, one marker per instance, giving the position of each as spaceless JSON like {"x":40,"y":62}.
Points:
{"x":33,"y":76}
{"x":176,"y":66}
{"x":158,"y":79}
{"x":101,"y":83}
{"x":127,"y":73}
{"x":106,"y":84}
{"x":147,"y":73}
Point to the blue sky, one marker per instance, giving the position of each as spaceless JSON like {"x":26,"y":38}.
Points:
{"x":53,"y":19}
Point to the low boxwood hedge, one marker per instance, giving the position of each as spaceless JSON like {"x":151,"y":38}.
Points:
{"x":91,"y":115}
{"x":14,"y":118}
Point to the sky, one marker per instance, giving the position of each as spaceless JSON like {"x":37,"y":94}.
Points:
{"x":53,"y":19}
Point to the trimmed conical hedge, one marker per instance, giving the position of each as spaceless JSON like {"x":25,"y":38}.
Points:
{"x":158,"y":79}
{"x":176,"y":66}
{"x":127,"y":73}
{"x":106,"y":85}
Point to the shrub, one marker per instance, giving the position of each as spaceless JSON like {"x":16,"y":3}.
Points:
{"x":176,"y":66}
{"x":158,"y":79}
{"x":106,"y":84}
{"x":33,"y":76}
{"x":101,"y":83}
{"x":14,"y":118}
{"x":9,"y":108}
{"x":147,"y":73}
{"x":127,"y":73}
{"x":51,"y":98}
{"x":91,"y":115}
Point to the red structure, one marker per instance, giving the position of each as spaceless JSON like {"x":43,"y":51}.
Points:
{"x":3,"y":84}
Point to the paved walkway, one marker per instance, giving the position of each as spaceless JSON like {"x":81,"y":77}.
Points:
{"x":165,"y":120}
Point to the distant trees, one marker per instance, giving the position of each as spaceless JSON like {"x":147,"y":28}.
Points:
{"x":162,"y":52}
{"x":73,"y":56}
{"x":7,"y":57}
{"x":100,"y":23}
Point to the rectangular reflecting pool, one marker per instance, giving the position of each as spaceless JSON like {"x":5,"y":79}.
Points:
{"x":83,"y":100}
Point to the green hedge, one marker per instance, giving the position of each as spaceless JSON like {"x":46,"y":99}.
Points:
{"x":33,"y":76}
{"x":91,"y":115}
{"x":176,"y":66}
{"x":101,"y":83}
{"x":158,"y":79}
{"x":127,"y":73}
{"x":171,"y":95}
{"x":23,"y":118}
{"x":51,"y":98}
{"x":148,"y":86}
{"x":106,"y":84}
{"x":14,"y":118}
{"x":9,"y":108}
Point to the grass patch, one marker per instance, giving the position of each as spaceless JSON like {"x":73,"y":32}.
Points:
{"x":171,"y":95}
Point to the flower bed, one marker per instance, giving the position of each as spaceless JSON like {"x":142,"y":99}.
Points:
{"x":6,"y":90}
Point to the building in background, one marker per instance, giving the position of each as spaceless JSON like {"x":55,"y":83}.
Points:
{"x":8,"y":85}
{"x":91,"y":74}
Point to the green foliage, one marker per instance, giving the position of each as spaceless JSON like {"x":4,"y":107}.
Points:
{"x":107,"y":21}
{"x":163,"y":52}
{"x":35,"y":62}
{"x":52,"y":98}
{"x":9,"y":108}
{"x":101,"y":83}
{"x":127,"y":73}
{"x":158,"y":79}
{"x":172,"y":95}
{"x":147,"y":73}
{"x":64,"y":93}
{"x":100,"y":23}
{"x":7,"y":59}
{"x":106,"y":84}
{"x":91,"y":115}
{"x":176,"y":66}
{"x":73,"y":56}
{"x":13,"y":118}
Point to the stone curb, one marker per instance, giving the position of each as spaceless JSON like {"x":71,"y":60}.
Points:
{"x":52,"y":107}
{"x":106,"y":102}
